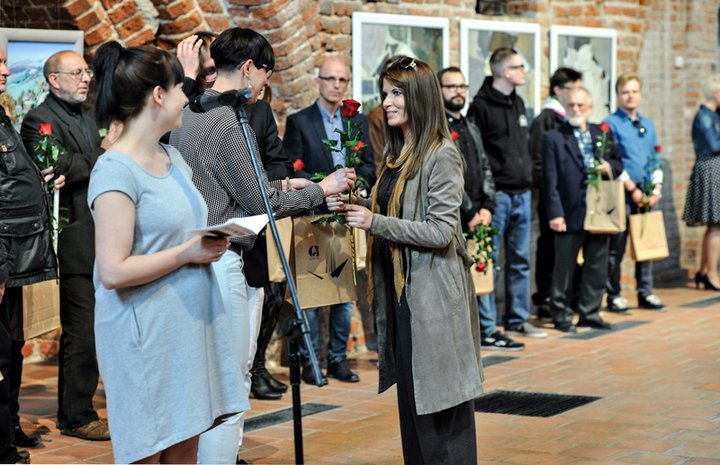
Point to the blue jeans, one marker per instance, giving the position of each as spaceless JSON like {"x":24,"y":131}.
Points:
{"x":340,"y":316}
{"x":512,"y":218}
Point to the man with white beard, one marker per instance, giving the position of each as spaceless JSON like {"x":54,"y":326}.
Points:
{"x":569,"y":153}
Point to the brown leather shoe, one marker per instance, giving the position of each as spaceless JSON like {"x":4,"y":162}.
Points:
{"x":96,"y":430}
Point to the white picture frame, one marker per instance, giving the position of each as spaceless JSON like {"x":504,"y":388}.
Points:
{"x":478,"y":39}
{"x":377,"y":37}
{"x":26,"y":51}
{"x":593,"y":52}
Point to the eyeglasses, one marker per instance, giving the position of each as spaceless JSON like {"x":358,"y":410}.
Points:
{"x":520,"y":66}
{"x":455,"y":86}
{"x":340,"y":80}
{"x":76,"y":74}
{"x":641,"y":129}
{"x":407,"y":63}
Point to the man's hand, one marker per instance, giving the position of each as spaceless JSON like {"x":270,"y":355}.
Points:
{"x":483,"y":217}
{"x":653,"y":200}
{"x":188,"y":54}
{"x":2,"y":291}
{"x":637,"y":197}
{"x":604,"y":167}
{"x":558,"y":224}
{"x":49,"y":174}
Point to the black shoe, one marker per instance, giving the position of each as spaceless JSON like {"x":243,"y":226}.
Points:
{"x":262,"y":390}
{"x":272,"y":382}
{"x":651,"y":302}
{"x":12,"y":455}
{"x":341,"y":372}
{"x":595,"y":324}
{"x":23,"y":440}
{"x":500,"y":342}
{"x":618,"y":304}
{"x":307,"y":376}
{"x":566,"y":328}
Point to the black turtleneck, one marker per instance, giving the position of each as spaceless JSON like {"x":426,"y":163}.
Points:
{"x":74,"y":110}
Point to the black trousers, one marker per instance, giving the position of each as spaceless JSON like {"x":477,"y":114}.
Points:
{"x":78,"y":370}
{"x":441,"y":438}
{"x":544,"y":254}
{"x":12,"y":298}
{"x":592,"y":280}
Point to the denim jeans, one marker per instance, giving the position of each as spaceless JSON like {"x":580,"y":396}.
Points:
{"x":512,"y":218}
{"x":643,"y":270}
{"x":340,"y":316}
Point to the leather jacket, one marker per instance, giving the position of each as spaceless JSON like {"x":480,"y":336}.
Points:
{"x":26,"y":252}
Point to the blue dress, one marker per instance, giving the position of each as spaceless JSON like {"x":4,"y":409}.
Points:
{"x":702,"y":204}
{"x":162,"y":346}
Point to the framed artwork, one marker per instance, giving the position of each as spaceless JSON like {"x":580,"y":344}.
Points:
{"x":593,"y":52}
{"x":27,"y":50}
{"x":478,"y":40}
{"x":377,"y":37}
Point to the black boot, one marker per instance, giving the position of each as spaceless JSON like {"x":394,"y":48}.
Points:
{"x":277,"y":385}
{"x":24,"y":441}
{"x":261,"y":389}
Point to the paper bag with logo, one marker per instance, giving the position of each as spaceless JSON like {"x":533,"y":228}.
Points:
{"x":647,"y":237}
{"x":285,"y":231}
{"x":41,"y":308}
{"x":605,"y":208}
{"x":323,"y":263}
{"x":483,"y":281}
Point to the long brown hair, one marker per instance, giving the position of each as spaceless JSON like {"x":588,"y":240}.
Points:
{"x":424,"y":108}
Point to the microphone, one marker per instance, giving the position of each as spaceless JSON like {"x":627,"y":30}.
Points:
{"x":230,"y":98}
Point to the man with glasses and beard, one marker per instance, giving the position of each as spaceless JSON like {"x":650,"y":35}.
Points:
{"x":637,"y":139}
{"x":479,"y":199}
{"x":74,"y":129}
{"x":568,"y":153}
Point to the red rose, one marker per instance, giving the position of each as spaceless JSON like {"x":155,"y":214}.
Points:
{"x":359,"y":146}
{"x":480,"y":267}
{"x":454,"y":135}
{"x":604,"y":127}
{"x":45,"y":129}
{"x":658,"y":148}
{"x":350,"y":108}
{"x":298,"y":165}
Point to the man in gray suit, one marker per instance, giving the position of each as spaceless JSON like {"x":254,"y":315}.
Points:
{"x":74,"y":129}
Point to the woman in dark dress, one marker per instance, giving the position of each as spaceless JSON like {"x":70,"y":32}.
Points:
{"x":427,"y":321}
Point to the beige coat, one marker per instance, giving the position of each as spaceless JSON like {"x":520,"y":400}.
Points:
{"x":446,"y":364}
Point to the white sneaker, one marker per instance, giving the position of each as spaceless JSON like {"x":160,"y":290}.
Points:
{"x":527,"y":330}
{"x":618,"y":304}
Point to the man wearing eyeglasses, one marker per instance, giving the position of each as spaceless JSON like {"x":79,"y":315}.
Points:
{"x":304,"y":132}
{"x":73,"y":128}
{"x":500,"y":113}
{"x":637,"y":139}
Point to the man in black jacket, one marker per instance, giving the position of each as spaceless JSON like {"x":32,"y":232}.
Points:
{"x":479,"y":200}
{"x":26,"y":257}
{"x":74,"y":129}
{"x":500,"y":114}
{"x":562,"y":82}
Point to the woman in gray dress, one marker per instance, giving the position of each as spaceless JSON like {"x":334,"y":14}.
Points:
{"x":159,"y":320}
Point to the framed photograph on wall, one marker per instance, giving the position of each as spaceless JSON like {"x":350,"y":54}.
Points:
{"x":27,"y":50}
{"x":377,"y":37}
{"x":478,"y":40}
{"x":593,"y":52}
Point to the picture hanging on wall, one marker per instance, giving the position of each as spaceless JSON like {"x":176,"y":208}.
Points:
{"x":593,"y":52}
{"x":377,"y":37}
{"x":27,"y":50}
{"x":479,"y":39}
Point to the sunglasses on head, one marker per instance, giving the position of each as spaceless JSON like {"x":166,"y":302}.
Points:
{"x":407,"y":63}
{"x":641,"y":129}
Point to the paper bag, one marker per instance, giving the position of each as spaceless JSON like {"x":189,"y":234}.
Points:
{"x":41,"y":308}
{"x":360,"y":248}
{"x":323,"y":263}
{"x":647,"y":237}
{"x":484,"y":282}
{"x":285,"y":231}
{"x":605,"y":208}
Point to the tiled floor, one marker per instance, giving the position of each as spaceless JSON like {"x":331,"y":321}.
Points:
{"x":659,"y":383}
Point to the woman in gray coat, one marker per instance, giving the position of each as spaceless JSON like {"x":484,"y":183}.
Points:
{"x":420,"y":283}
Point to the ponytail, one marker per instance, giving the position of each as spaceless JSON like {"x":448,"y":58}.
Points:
{"x":105,"y":63}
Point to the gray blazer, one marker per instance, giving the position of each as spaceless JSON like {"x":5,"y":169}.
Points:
{"x":446,"y":364}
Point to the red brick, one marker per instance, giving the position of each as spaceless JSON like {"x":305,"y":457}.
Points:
{"x":78,"y":7}
{"x":217,"y":23}
{"x":144,"y":37}
{"x":182,"y":25}
{"x":211,"y":6}
{"x":123,"y":11}
{"x":89,"y":19}
{"x":176,"y":9}
{"x":98,"y":35}
{"x":131,"y":26}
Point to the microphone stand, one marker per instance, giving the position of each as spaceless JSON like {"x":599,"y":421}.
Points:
{"x":298,"y":327}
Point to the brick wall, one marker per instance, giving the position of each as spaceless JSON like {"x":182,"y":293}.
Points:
{"x":652,"y":36}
